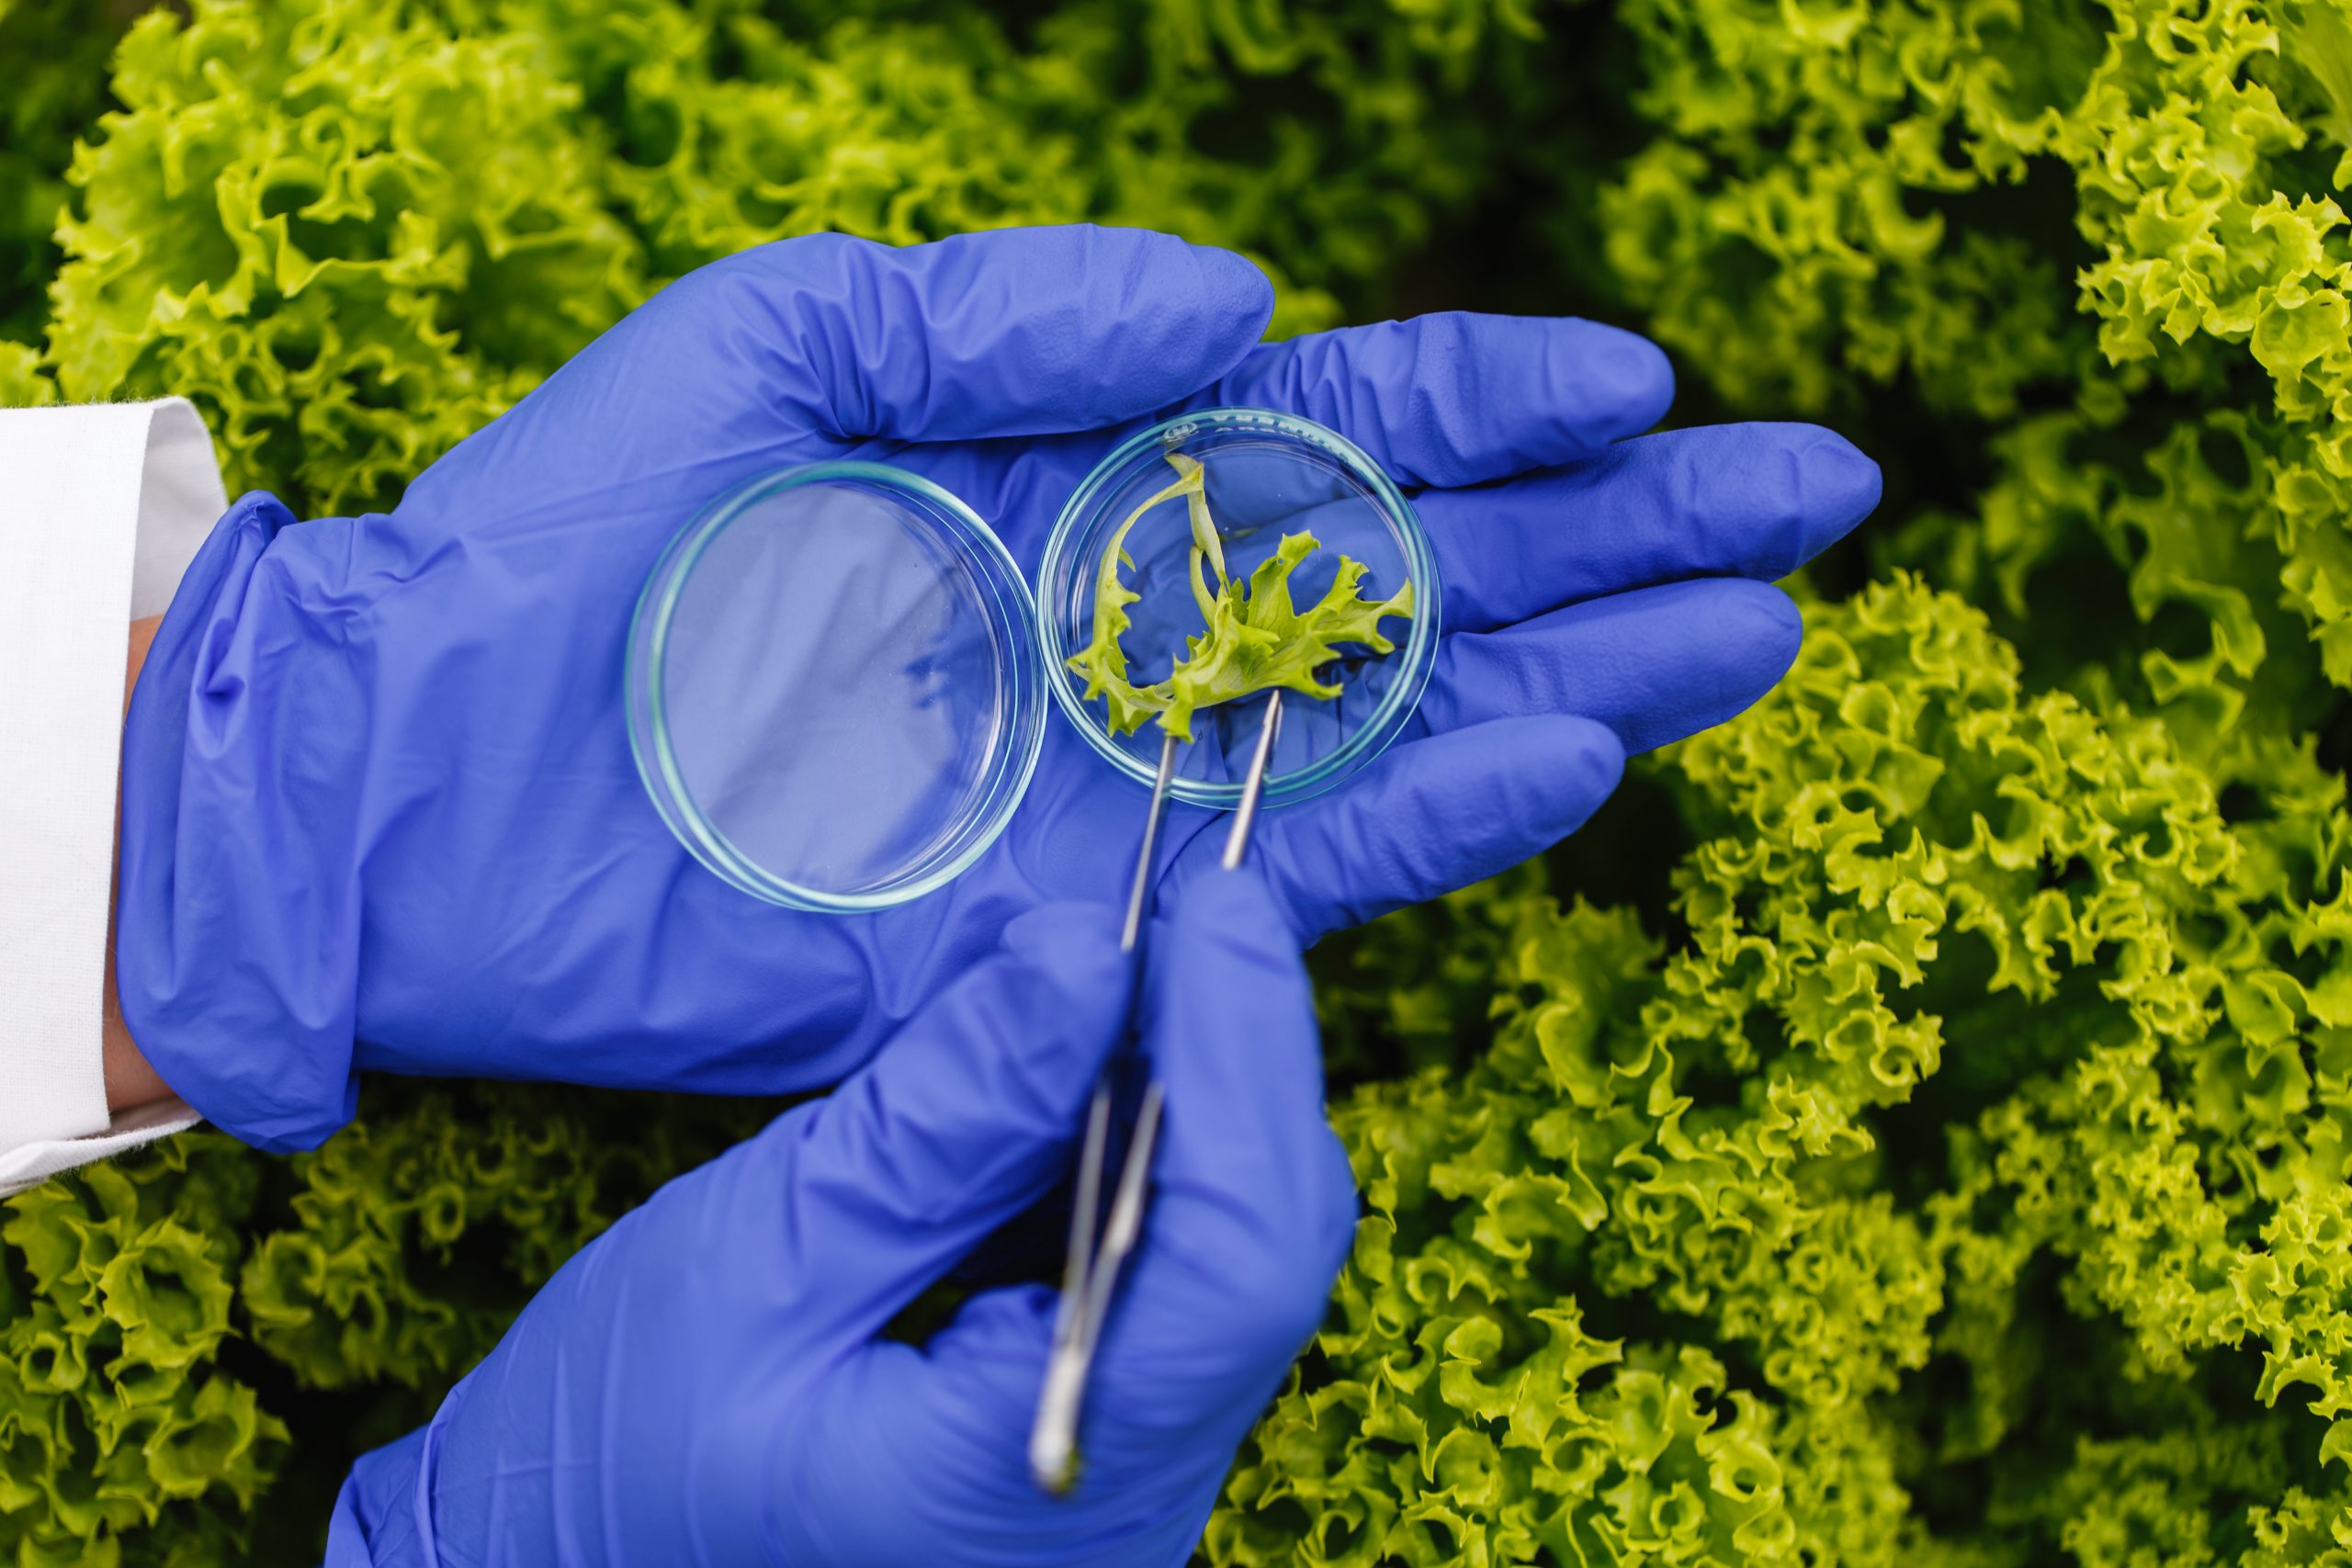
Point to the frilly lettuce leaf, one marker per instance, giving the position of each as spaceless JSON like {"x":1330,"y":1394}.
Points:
{"x":1254,"y":638}
{"x":1981,"y":1125}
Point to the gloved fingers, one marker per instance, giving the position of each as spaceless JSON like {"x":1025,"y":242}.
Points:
{"x":1010,"y":332}
{"x":965,"y":1119}
{"x":1457,"y":399}
{"x":1754,"y":500}
{"x":1253,"y":1206}
{"x":1654,"y":664}
{"x":1253,"y":1211}
{"x":1431,"y":816}
{"x":900,"y":1450}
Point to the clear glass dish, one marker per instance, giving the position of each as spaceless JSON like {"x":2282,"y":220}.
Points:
{"x":836,"y":676}
{"x":1268,"y":474}
{"x":834,"y":690}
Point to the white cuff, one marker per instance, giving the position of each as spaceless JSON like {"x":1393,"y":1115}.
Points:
{"x":29,"y":1166}
{"x":101,"y":509}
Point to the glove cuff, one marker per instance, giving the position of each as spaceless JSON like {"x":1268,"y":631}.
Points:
{"x":237,"y":912}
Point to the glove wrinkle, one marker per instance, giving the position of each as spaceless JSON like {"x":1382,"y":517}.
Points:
{"x":219,"y":757}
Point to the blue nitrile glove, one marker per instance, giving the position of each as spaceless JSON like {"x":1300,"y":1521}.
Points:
{"x":379,"y":810}
{"x":706,"y":1383}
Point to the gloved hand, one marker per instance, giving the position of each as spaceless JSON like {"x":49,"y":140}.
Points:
{"x":706,"y":1382}
{"x":379,"y":810}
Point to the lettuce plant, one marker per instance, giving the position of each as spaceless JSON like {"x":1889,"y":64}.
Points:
{"x":1740,"y":1251}
{"x":2124,"y":215}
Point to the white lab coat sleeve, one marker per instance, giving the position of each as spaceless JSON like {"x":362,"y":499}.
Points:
{"x":101,"y":509}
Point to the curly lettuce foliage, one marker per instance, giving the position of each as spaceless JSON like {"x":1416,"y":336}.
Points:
{"x":383,"y":1266}
{"x":354,"y":230}
{"x":56,"y":52}
{"x":1739,"y":1252}
{"x":1792,"y":227}
{"x":2126,"y":206}
{"x":1252,"y":637}
{"x":112,"y":1416}
{"x":350,"y":236}
{"x":57,"y":81}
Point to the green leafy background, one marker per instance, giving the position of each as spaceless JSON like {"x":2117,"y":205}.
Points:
{"x":1912,"y":1129}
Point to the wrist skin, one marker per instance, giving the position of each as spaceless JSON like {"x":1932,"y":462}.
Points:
{"x":131,"y":1082}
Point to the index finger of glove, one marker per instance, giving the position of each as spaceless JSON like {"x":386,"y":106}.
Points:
{"x":1253,"y":1205}
{"x":1011,"y":332}
{"x":1754,"y":501}
{"x":1458,"y":398}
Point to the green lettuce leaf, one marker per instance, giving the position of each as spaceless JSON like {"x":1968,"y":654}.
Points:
{"x":1254,"y":638}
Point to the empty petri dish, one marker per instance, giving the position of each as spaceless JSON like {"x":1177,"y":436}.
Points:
{"x":834,"y":692}
{"x":1267,"y":474}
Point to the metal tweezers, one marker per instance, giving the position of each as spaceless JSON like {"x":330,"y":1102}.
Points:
{"x":1092,"y":1272}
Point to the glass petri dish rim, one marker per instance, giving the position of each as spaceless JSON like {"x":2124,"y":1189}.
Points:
{"x":654,"y":752}
{"x":1419,"y":650}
